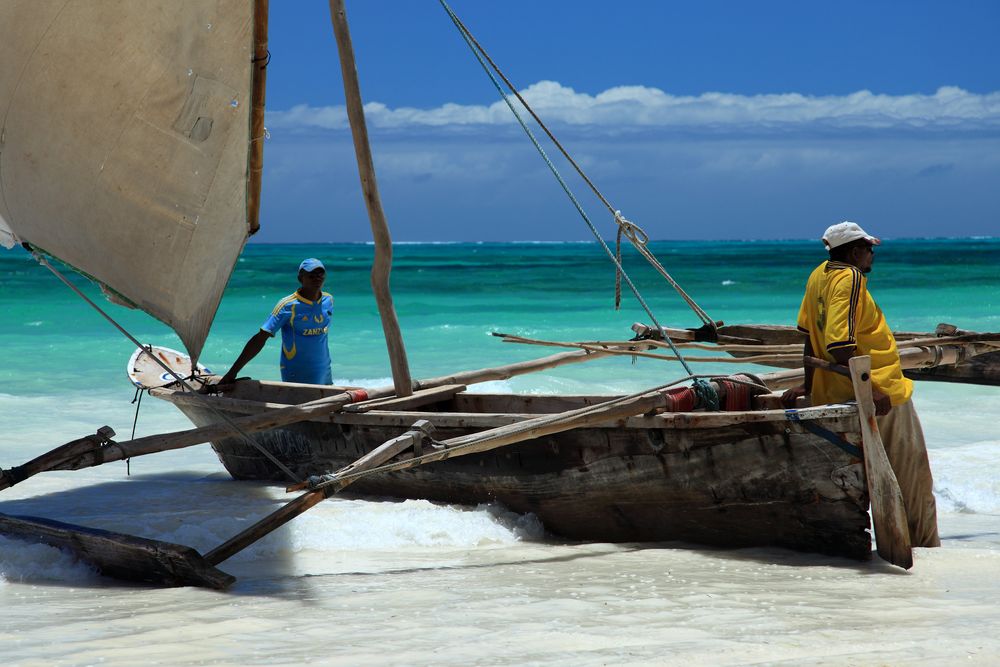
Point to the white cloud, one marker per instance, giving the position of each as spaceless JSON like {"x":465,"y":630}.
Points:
{"x":641,"y":107}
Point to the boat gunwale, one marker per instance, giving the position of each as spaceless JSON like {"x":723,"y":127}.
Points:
{"x":446,"y":417}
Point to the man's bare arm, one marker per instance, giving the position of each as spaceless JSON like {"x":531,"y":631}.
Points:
{"x":250,"y":350}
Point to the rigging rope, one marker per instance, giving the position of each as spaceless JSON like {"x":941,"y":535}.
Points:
{"x":630,"y":229}
{"x":481,"y":56}
{"x":139,"y":391}
{"x":640,"y":239}
{"x":205,"y":402}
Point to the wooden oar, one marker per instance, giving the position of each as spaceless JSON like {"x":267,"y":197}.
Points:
{"x":892,"y":536}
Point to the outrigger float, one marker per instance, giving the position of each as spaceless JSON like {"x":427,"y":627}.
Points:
{"x":718,"y":462}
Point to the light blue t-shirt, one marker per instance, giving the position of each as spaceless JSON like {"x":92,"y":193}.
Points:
{"x":305,"y":354}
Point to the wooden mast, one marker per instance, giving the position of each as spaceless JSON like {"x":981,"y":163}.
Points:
{"x":380,"y":230}
{"x":256,"y":161}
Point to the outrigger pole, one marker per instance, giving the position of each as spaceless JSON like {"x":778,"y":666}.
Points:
{"x":380,"y":229}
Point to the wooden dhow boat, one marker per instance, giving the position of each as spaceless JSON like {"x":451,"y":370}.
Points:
{"x":753,"y":475}
{"x":745,"y":478}
{"x":155,"y":200}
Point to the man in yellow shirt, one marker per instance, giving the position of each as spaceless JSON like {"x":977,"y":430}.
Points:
{"x":842,"y":320}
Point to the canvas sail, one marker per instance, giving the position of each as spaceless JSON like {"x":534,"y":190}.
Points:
{"x":125,"y":135}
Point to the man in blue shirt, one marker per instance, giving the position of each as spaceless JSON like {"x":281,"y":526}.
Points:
{"x":304,"y":320}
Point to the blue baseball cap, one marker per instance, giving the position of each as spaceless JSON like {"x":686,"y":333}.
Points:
{"x":311,"y":264}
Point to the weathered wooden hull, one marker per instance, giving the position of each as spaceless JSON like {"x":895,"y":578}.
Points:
{"x":721,"y":479}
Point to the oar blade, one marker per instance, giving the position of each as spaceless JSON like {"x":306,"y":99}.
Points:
{"x":892,"y":535}
{"x":121,"y":556}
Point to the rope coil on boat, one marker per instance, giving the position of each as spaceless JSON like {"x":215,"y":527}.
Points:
{"x":708,"y":397}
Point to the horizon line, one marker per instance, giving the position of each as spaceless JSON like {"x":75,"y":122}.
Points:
{"x":971,"y":237}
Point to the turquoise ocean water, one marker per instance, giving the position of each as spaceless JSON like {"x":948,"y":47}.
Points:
{"x":449,"y":297}
{"x":358,"y":573}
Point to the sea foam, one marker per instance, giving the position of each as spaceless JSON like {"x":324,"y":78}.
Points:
{"x":21,"y":561}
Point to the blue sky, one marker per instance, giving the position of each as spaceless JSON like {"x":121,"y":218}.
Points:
{"x":698,"y":120}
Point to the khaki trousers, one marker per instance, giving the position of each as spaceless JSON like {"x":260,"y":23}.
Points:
{"x":904,"y":445}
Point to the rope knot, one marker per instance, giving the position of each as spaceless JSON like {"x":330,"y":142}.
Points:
{"x":633,"y":231}
{"x":639,"y":239}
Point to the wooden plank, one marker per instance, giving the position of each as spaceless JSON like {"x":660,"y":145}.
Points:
{"x":892,"y":536}
{"x":415,"y":400}
{"x":524,"y":403}
{"x":121,"y":556}
{"x":511,"y":370}
{"x":404,"y":418}
{"x":242,"y":405}
{"x":667,"y":420}
{"x":617,"y":409}
{"x":632,"y":349}
{"x":773,"y":334}
{"x":291,"y":393}
{"x":693,"y":334}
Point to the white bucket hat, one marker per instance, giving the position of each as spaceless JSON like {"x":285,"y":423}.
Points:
{"x":845,"y":232}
